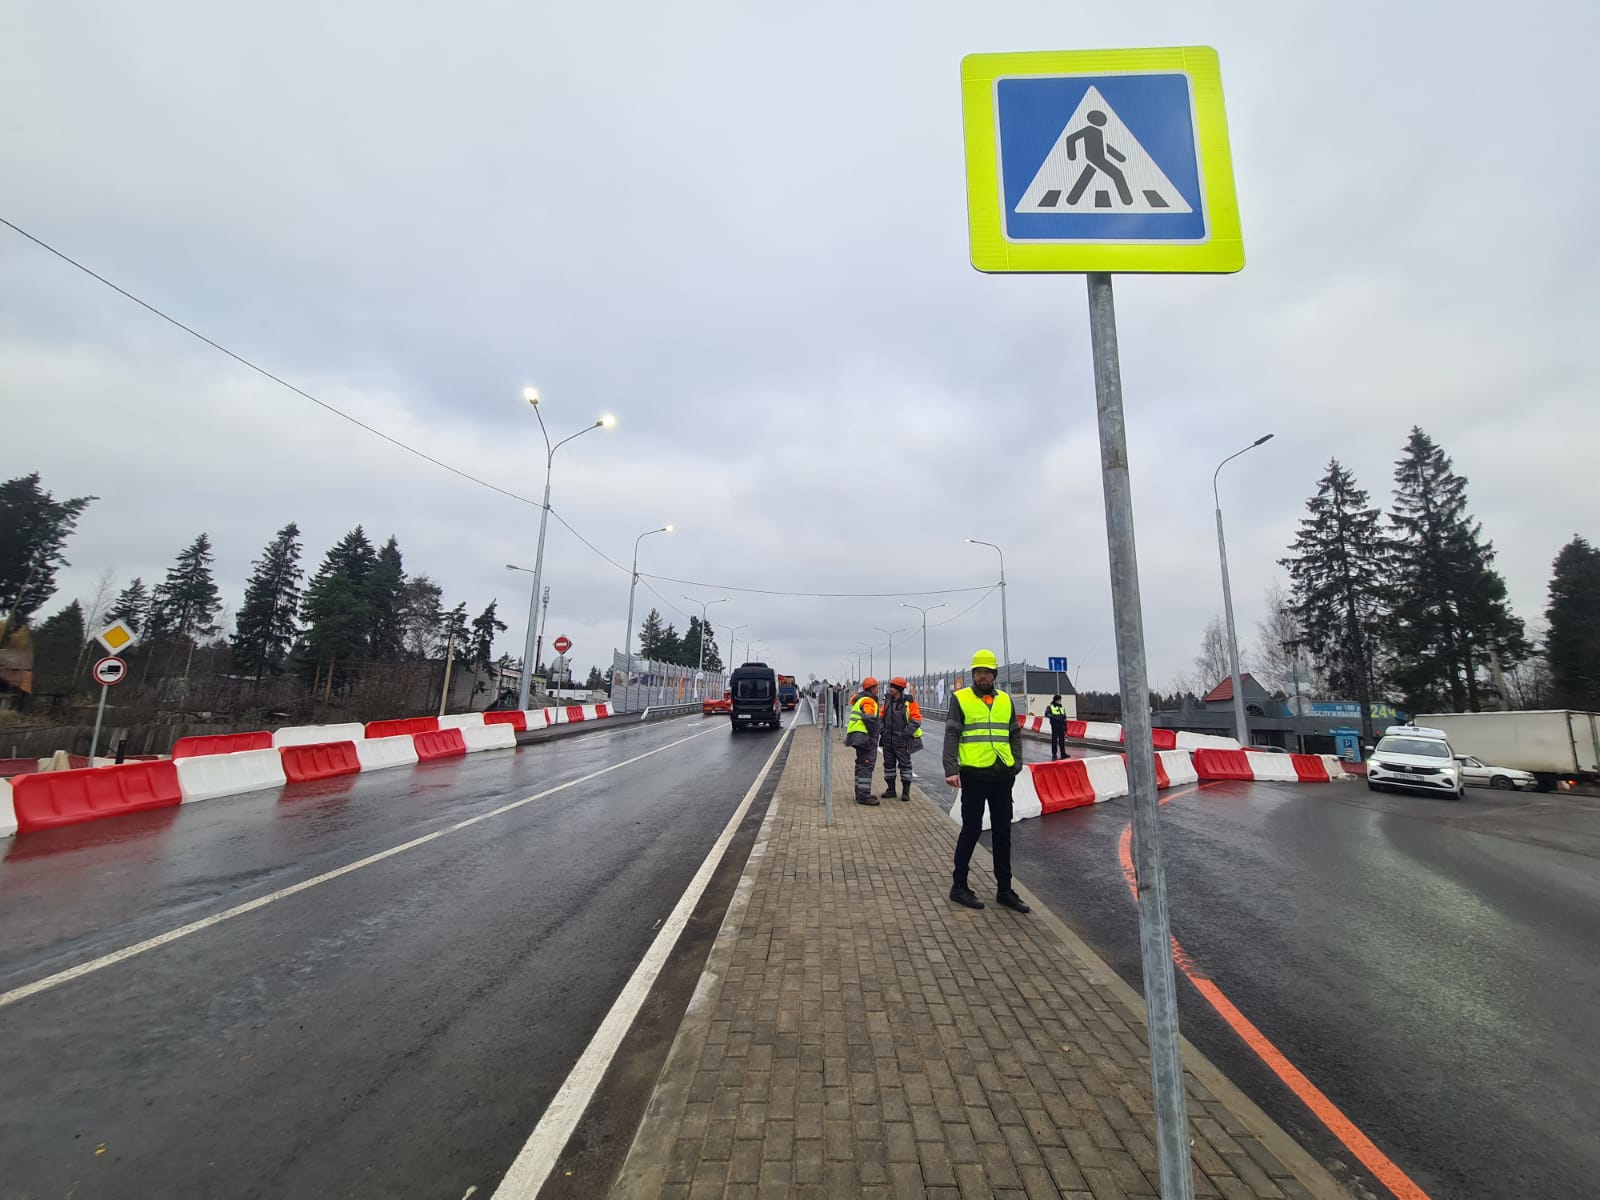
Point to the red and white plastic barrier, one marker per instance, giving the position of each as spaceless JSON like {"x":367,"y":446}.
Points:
{"x":1252,"y":765}
{"x":8,"y":815}
{"x":209,"y":766}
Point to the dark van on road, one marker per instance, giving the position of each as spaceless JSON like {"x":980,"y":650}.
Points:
{"x":754,"y":688}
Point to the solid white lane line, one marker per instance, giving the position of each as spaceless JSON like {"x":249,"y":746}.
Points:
{"x":538,"y":1157}
{"x":183,"y":931}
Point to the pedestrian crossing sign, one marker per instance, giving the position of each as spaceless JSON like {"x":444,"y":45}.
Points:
{"x":1105,"y":160}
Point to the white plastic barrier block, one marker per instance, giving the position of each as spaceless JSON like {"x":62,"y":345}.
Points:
{"x":1205,"y":741}
{"x":310,"y":735}
{"x":1101,"y":731}
{"x":556,"y":715}
{"x":1108,"y":775}
{"x":537,"y":718}
{"x":1179,"y":767}
{"x":1272,"y":768}
{"x":8,"y":814}
{"x":489,"y":737}
{"x":211,"y":775}
{"x":472,"y":720}
{"x":377,"y":753}
{"x":1335,"y":766}
{"x":1025,"y":802}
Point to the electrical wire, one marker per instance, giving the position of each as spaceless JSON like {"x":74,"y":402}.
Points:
{"x":262,"y":371}
{"x":467,"y":475}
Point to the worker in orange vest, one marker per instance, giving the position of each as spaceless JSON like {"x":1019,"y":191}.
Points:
{"x":902,"y":730}
{"x":861,"y":735}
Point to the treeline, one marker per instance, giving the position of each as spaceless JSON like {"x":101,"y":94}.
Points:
{"x":1408,"y":604}
{"x":359,"y":627}
{"x":665,"y":644}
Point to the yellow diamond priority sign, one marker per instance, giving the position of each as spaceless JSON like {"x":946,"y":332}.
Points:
{"x":115,"y":637}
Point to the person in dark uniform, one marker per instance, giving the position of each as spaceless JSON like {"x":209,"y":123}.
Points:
{"x":1058,"y":728}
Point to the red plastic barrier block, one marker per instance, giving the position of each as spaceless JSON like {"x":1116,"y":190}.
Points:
{"x":1062,"y":784}
{"x":1222,"y":764}
{"x":516,"y":718}
{"x":1163,"y":781}
{"x":1077,"y":729}
{"x":320,"y":760}
{"x":221,"y":743}
{"x":602,"y":710}
{"x":1164,"y":739}
{"x":439,"y":743}
{"x":402,"y":727}
{"x":51,"y":799}
{"x":574,"y":713}
{"x":1310,"y":768}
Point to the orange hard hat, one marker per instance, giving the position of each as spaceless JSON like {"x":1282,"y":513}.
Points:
{"x":870,"y":682}
{"x":898,"y":681}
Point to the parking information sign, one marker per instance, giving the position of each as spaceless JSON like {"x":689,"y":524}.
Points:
{"x":1107,"y":160}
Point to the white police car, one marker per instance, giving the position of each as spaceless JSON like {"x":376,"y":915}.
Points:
{"x":1415,"y":758}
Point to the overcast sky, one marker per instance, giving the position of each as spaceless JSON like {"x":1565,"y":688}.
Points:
{"x":741,"y":228}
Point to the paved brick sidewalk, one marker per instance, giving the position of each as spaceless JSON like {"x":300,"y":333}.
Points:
{"x":856,"y":1034}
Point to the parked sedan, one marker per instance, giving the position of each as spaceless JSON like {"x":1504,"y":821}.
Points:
{"x":1477,"y":773}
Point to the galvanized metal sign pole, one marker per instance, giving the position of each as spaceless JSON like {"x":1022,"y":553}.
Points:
{"x":1155,"y":933}
{"x":1093,"y":162}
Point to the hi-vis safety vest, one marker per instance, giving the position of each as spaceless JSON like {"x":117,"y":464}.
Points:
{"x":1056,"y":712}
{"x":985,"y":730}
{"x":858,"y":722}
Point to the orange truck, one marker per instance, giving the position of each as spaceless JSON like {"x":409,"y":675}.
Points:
{"x":788,"y":693}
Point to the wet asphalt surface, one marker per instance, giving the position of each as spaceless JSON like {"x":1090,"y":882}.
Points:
{"x":397,"y":1031}
{"x":1432,"y":967}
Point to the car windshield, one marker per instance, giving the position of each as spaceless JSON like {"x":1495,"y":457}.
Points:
{"x":1421,"y":747}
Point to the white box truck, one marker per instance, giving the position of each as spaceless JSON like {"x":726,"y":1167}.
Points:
{"x":1554,"y":745}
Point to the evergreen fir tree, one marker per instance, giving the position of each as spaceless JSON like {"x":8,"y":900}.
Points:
{"x":1572,"y":645}
{"x":56,"y":645}
{"x":336,"y":609}
{"x":1450,"y":614}
{"x":267,"y":626}
{"x":132,"y":605}
{"x":1338,"y":570}
{"x":34,"y":526}
{"x":651,"y":637}
{"x":386,"y":597}
{"x":185,"y":604}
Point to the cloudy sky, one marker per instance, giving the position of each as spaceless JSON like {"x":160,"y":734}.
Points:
{"x":741,"y":228}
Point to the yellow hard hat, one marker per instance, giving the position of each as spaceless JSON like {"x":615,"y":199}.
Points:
{"x":985,"y":658}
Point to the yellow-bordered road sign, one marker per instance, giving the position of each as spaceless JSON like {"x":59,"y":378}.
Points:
{"x":115,"y":637}
{"x":1099,"y":160}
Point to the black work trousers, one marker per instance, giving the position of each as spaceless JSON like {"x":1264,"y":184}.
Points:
{"x":979,"y":787}
{"x":1058,"y":740}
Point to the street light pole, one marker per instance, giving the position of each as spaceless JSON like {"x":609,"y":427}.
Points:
{"x":732,"y":652}
{"x":704,"y":605}
{"x":1241,"y":721}
{"x":627,"y":637}
{"x":1005,"y":624}
{"x":890,"y":633}
{"x":924,"y":612}
{"x":529,"y":651}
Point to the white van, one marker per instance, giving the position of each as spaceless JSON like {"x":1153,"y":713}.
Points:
{"x":1416,"y":758}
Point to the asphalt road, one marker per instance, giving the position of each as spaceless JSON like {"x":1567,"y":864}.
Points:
{"x":1432,"y":967}
{"x":396,"y":1031}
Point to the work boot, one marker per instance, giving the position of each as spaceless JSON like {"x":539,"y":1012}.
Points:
{"x":963,"y":896}
{"x":1012,"y":901}
{"x":873,"y":800}
{"x":905,"y":790}
{"x":888,"y":792}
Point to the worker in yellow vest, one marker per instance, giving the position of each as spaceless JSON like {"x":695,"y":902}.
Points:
{"x":982,"y":757}
{"x":861,"y":735}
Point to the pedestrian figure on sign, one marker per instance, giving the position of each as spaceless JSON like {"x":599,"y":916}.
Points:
{"x":1095,"y":152}
{"x":983,"y":757}
{"x":1058,"y":728}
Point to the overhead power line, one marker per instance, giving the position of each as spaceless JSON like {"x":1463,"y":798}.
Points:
{"x":440,"y":463}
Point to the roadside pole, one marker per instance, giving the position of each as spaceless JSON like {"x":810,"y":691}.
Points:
{"x":825,"y":732}
{"x":1155,"y":932}
{"x":99,"y":716}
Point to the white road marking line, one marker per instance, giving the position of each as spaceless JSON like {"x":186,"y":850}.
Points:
{"x":538,"y":1156}
{"x":183,"y":931}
